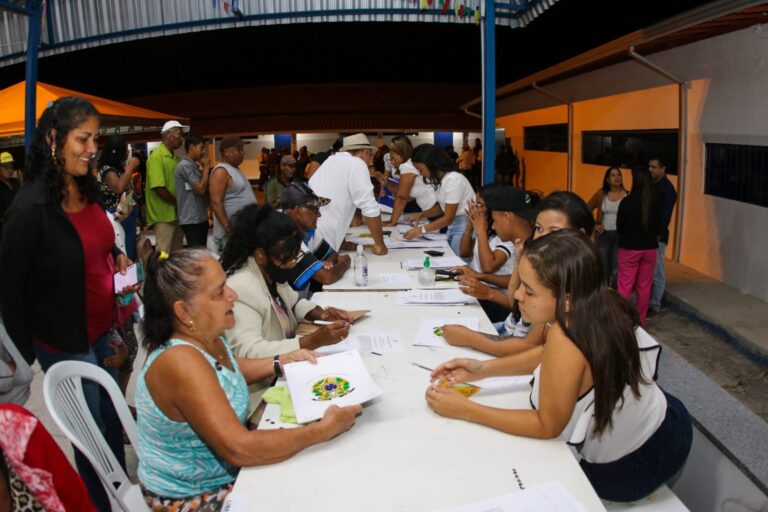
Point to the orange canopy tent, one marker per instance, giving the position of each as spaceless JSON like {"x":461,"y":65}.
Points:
{"x":115,"y":117}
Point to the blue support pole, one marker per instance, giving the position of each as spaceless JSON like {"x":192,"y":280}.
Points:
{"x":30,"y":96}
{"x":488,"y":31}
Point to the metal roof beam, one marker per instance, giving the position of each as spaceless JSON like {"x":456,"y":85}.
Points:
{"x":14,"y":7}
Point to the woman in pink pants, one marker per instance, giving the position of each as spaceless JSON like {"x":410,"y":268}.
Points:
{"x":638,"y":224}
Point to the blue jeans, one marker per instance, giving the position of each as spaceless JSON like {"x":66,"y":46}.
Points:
{"x":129,"y":226}
{"x":455,"y":230}
{"x":101,"y":408}
{"x":659,"y":279}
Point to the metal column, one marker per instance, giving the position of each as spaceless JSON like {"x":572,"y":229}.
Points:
{"x":488,"y":45}
{"x":30,"y":97}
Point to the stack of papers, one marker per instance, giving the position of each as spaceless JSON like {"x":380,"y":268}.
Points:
{"x":340,"y":379}
{"x":379,"y":342}
{"x":446,"y":262}
{"x":449,"y":297}
{"x":426,"y":335}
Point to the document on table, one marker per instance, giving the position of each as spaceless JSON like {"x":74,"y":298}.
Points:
{"x":444,"y":262}
{"x":546,"y":497}
{"x":339,"y":379}
{"x":498,"y":384}
{"x":379,"y":342}
{"x":447,"y":297}
{"x":395,"y":277}
{"x":426,"y":336}
{"x":416,"y":243}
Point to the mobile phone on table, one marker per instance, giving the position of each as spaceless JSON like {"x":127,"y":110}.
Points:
{"x":446,"y":273}
{"x":434,"y":253}
{"x":134,"y":274}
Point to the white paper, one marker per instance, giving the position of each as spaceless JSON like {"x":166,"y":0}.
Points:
{"x":445,"y":262}
{"x":511,"y":383}
{"x":236,"y":502}
{"x":395,"y":277}
{"x":546,"y":497}
{"x":347,"y":382}
{"x":426,"y":336}
{"x":417,"y":243}
{"x":129,"y":279}
{"x":379,"y":342}
{"x":444,"y":297}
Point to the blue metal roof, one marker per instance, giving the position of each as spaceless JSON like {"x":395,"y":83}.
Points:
{"x":76,"y":24}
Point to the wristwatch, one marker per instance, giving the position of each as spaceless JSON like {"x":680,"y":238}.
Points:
{"x":423,"y":228}
{"x":277,"y":367}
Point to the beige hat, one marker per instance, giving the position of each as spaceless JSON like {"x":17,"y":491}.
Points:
{"x":356,"y":142}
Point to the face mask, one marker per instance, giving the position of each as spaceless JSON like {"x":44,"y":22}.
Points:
{"x":278,"y":274}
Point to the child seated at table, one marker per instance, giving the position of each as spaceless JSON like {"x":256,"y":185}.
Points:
{"x":593,"y":378}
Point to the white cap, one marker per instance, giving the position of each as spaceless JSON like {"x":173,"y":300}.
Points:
{"x":174,"y":124}
{"x":359,"y":249}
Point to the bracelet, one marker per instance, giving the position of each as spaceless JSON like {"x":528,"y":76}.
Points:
{"x":424,"y":228}
{"x":277,"y":367}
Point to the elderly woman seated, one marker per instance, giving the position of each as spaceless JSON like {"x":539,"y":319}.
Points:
{"x":192,"y":395}
{"x":262,"y":244}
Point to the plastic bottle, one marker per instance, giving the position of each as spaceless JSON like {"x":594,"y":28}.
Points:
{"x":426,"y":274}
{"x":361,"y":268}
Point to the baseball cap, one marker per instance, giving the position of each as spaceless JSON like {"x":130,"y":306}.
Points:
{"x":169,"y":125}
{"x":287,"y":159}
{"x":299,"y":194}
{"x":230,"y":141}
{"x":510,"y":199}
{"x":6,"y":158}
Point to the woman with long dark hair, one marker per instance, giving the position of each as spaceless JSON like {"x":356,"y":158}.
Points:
{"x":606,"y":200}
{"x":638,"y":223}
{"x":412,"y":193}
{"x":192,"y":393}
{"x":593,"y":376}
{"x":116,"y":186}
{"x":453,"y":193}
{"x":57,"y":261}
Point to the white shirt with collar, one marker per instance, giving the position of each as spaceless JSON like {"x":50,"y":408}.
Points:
{"x":345,"y":180}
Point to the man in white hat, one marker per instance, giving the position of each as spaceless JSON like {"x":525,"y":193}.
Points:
{"x":161,"y":187}
{"x":344,"y":179}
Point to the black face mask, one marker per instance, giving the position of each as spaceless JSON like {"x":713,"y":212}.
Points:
{"x":278,"y":274}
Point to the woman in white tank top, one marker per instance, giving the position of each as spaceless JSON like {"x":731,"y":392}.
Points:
{"x":594,"y":377}
{"x":606,"y":201}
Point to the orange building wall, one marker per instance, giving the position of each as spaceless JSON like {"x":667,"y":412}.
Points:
{"x":545,"y":171}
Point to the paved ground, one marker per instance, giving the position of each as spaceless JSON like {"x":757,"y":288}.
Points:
{"x":743,"y":378}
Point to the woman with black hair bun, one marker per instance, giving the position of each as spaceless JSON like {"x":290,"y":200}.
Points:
{"x":263,"y":246}
{"x":453,"y":193}
{"x":192,"y":393}
{"x":57,"y":261}
{"x":593,"y":377}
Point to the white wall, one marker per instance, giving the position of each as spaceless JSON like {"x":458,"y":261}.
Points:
{"x":727,"y":102}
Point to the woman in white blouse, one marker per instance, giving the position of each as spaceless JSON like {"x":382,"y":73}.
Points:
{"x":453,"y":193}
{"x":412,"y":185}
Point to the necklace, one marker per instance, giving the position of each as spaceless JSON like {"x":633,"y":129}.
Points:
{"x":201,"y":345}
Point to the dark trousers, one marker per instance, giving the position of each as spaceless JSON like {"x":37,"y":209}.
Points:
{"x":196,"y":234}
{"x":608,"y":245}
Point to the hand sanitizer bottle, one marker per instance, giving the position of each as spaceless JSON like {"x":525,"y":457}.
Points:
{"x":427,"y":274}
{"x":361,"y":268}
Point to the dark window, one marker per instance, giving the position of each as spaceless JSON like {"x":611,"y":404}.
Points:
{"x":546,"y":137}
{"x":738,"y":172}
{"x":629,"y":148}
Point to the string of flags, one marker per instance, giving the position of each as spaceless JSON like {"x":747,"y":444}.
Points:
{"x":229,"y":6}
{"x":460,"y":9}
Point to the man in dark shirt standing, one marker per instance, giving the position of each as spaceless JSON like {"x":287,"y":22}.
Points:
{"x":666,"y":197}
{"x":8,"y":184}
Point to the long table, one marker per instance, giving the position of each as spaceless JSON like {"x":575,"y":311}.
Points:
{"x":400,"y":455}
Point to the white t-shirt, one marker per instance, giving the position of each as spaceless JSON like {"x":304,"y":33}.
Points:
{"x":345,"y":180}
{"x":455,"y":189}
{"x":423,"y":194}
{"x":496,"y":243}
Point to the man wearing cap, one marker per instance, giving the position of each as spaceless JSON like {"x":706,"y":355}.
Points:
{"x":192,"y":191}
{"x":229,"y":189}
{"x":344,"y":179}
{"x":8,"y":184}
{"x":161,"y":187}
{"x":279,"y":182}
{"x":320,"y":262}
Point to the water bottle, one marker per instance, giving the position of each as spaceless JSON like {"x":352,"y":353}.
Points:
{"x":426,"y":274}
{"x":361,"y":268}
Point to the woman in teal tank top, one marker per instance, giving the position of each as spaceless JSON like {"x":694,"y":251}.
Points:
{"x":192,"y":394}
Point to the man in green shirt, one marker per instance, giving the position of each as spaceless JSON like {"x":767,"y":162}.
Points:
{"x":161,"y":187}
{"x":277,"y":183}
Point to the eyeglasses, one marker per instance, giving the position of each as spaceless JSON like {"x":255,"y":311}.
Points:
{"x":312,"y":208}
{"x":290,"y":262}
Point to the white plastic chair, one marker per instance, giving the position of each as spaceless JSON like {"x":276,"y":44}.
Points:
{"x":63,"y":392}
